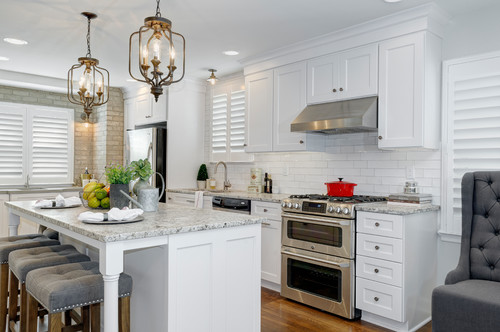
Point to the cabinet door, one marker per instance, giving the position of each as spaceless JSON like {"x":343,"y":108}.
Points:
{"x":129,"y":110}
{"x":401,"y":75}
{"x":323,"y":79}
{"x":289,"y":101}
{"x":358,"y":72}
{"x":142,"y":109}
{"x":259,"y":117}
{"x":159,"y":108}
{"x":271,"y":255}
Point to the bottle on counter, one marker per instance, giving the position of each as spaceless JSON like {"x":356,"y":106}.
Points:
{"x":265,"y":182}
{"x":86,"y":170}
{"x":270,"y":184}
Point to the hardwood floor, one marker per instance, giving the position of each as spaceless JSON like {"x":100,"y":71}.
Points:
{"x":282,"y":315}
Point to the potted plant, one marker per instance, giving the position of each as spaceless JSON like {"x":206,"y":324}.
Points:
{"x":118,"y":177}
{"x":141,"y":169}
{"x":202,"y":177}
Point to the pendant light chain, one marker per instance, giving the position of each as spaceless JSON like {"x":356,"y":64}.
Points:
{"x":88,"y":39}
{"x":158,"y":14}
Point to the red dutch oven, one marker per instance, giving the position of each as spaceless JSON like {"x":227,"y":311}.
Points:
{"x":340,"y":188}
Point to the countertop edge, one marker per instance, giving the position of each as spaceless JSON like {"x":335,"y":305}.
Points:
{"x":397,"y":210}
{"x":272,"y":198}
{"x":22,"y":191}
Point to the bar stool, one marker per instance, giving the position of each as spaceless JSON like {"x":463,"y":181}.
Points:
{"x":64,"y":287}
{"x":8,"y":245}
{"x":25,"y":260}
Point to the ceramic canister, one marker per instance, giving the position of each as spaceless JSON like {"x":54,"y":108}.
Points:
{"x":255,"y":176}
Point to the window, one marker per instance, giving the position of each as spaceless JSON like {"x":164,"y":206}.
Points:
{"x":471,"y":128}
{"x":35,"y":141}
{"x":228,"y":122}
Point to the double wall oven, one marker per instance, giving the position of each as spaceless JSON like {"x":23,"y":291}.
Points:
{"x":318,"y":251}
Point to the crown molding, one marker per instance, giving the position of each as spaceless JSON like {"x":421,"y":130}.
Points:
{"x":35,"y":82}
{"x":428,"y":17}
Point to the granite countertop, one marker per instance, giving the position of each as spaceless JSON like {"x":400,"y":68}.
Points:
{"x":274,"y":198}
{"x":396,"y":209}
{"x":37,"y":190}
{"x":170,"y":219}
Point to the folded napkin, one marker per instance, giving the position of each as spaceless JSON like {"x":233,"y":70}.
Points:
{"x":59,"y":201}
{"x":198,"y":199}
{"x":113,"y":214}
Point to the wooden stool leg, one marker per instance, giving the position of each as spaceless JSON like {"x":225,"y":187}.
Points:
{"x":67,"y":318}
{"x":4,"y":285}
{"x":124,"y":314}
{"x":24,"y":309}
{"x":86,"y":318}
{"x":32,"y":322}
{"x":95,"y":317}
{"x":55,"y":322}
{"x":13,"y":294}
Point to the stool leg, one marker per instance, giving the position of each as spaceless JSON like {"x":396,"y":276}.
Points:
{"x":124,"y":314}
{"x":4,"y":285}
{"x":86,"y":318}
{"x":67,"y":318}
{"x":23,"y":303}
{"x":32,"y":314}
{"x":13,"y":294}
{"x":95,"y":317}
{"x":55,"y":322}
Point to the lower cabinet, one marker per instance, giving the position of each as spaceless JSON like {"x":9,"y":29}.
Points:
{"x":188,"y":200}
{"x":396,"y":268}
{"x":271,"y":242}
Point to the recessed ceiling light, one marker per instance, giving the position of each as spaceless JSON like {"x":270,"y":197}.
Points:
{"x":3,"y":58}
{"x":15,"y":41}
{"x":231,"y":52}
{"x":392,"y":1}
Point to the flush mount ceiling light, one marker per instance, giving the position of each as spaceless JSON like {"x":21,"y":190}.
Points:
{"x":231,"y":52}
{"x":212,"y":79}
{"x":4,"y":58}
{"x":156,"y":39}
{"x":92,"y":77}
{"x":15,"y":41}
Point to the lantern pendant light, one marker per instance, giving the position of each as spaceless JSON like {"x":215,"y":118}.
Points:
{"x":92,"y":77}
{"x":155,"y":44}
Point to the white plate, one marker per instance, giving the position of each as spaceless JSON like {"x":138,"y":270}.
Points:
{"x":60,"y":207}
{"x":113,"y":222}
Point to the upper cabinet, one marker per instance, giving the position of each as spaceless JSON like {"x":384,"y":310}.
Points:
{"x":143,"y":109}
{"x":409,"y":85}
{"x":344,"y":75}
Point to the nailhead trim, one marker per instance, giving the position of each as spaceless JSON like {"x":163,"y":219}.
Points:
{"x":84,"y":304}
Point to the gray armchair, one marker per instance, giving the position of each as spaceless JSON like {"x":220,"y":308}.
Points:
{"x":470,"y":299}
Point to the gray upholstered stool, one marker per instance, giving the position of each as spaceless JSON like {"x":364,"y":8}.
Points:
{"x":25,"y":260}
{"x":8,"y":245}
{"x":64,"y":287}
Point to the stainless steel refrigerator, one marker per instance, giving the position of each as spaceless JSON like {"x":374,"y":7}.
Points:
{"x":149,"y":141}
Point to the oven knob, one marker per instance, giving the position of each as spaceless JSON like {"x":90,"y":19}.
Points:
{"x":346,"y":211}
{"x":338,"y":209}
{"x":296,"y":205}
{"x":330,"y":209}
{"x":289,"y":205}
{"x":283,"y":204}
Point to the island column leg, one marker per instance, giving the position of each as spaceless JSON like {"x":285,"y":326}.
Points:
{"x":110,"y":266}
{"x":14,"y":221}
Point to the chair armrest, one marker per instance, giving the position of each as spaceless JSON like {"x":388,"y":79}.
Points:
{"x":457,"y":275}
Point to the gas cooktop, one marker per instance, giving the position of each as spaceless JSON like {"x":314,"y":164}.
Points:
{"x":351,"y":199}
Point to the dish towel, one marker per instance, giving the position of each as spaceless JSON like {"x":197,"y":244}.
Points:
{"x":198,"y":199}
{"x":113,"y":214}
{"x":59,"y":201}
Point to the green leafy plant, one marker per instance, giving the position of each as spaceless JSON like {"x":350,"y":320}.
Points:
{"x":202,"y":173}
{"x":141,"y":169}
{"x":117,"y":174}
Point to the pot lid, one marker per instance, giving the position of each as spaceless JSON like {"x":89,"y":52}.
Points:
{"x":341,"y":182}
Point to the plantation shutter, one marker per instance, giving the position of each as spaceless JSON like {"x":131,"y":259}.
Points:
{"x":219,"y":126}
{"x":473,"y":128}
{"x":237,"y":137}
{"x":51,"y":158}
{"x":12,"y":143}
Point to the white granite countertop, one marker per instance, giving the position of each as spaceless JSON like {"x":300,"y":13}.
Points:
{"x":35,"y":190}
{"x":274,"y":198}
{"x":396,"y":209}
{"x":170,"y":219}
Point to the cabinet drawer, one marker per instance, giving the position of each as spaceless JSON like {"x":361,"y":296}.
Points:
{"x":183,"y":199}
{"x":379,"y":299}
{"x":380,"y":224}
{"x":380,"y":247}
{"x":379,"y":270}
{"x":266,"y":209}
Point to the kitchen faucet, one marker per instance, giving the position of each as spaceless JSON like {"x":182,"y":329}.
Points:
{"x":227,"y":184}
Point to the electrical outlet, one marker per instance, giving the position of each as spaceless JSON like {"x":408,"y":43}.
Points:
{"x":410,"y":172}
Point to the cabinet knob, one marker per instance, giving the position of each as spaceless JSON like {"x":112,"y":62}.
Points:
{"x":170,"y":198}
{"x":244,"y":144}
{"x":380,"y":137}
{"x":376,"y":299}
{"x":301,"y":142}
{"x":265,"y":210}
{"x":334,"y":90}
{"x":377,"y":247}
{"x":377,"y":224}
{"x":341,"y":89}
{"x":147,"y":116}
{"x":376,"y":270}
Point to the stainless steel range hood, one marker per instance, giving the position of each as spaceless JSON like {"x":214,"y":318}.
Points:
{"x":350,"y":116}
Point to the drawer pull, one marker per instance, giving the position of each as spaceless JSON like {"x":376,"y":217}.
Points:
{"x":334,"y":90}
{"x":376,"y":299}
{"x":341,"y":89}
{"x":376,"y":270}
{"x":170,"y":198}
{"x":377,"y":247}
{"x":265,"y":210}
{"x":266,"y":224}
{"x":190,"y":200}
{"x":377,"y":224}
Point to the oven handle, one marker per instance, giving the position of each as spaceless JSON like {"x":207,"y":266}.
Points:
{"x":315,"y":259}
{"x":329,"y":220}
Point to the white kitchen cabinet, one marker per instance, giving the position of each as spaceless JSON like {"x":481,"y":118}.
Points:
{"x":344,"y":75}
{"x":409,"y":86}
{"x":396,"y":268}
{"x":188,"y":200}
{"x":289,"y":101}
{"x":271,"y":242}
{"x":259,"y":112}
{"x":141,"y":109}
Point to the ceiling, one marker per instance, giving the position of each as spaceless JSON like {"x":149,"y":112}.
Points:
{"x":56,"y":31}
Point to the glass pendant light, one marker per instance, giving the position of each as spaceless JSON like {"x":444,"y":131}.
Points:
{"x":212,"y":79}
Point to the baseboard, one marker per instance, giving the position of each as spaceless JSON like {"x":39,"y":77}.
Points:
{"x":270,"y":285}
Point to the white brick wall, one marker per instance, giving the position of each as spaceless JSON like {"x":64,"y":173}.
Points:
{"x":355,"y":157}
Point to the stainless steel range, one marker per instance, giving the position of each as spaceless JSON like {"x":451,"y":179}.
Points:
{"x":318,"y":250}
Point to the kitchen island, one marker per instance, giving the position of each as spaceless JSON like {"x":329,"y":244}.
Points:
{"x":211,"y":264}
